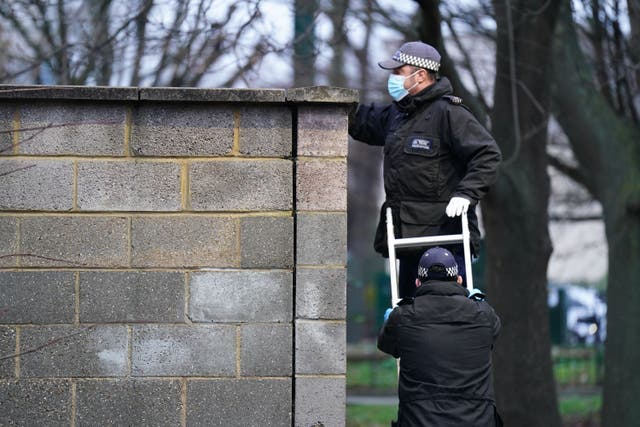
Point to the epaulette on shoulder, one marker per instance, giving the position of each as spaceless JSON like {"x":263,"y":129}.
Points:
{"x":455,"y":100}
{"x":406,"y":301}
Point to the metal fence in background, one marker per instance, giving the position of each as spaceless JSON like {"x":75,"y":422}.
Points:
{"x":575,"y":368}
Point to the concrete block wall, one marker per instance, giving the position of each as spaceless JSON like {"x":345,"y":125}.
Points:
{"x":173,"y":256}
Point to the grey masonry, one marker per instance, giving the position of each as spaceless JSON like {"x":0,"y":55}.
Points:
{"x":173,"y":256}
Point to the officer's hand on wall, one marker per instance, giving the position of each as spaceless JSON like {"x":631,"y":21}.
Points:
{"x":457,"y":206}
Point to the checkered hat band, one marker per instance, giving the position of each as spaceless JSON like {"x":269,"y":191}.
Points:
{"x":451,"y":271}
{"x":416,"y":61}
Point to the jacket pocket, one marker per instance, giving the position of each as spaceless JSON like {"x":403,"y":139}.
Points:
{"x":421,"y":145}
{"x":420,"y":166}
{"x":419,"y":219}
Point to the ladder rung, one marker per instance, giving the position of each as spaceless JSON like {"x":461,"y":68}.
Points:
{"x":411,"y":242}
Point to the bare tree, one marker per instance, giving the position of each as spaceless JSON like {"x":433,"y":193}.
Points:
{"x":595,"y":98}
{"x":516,"y":212}
{"x":365,"y":184}
{"x":634,"y":39}
{"x":143,"y":42}
{"x":304,"y":51}
{"x":604,"y":134}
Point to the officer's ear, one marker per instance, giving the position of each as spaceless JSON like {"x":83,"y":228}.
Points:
{"x":418,"y":283}
{"x":424,"y":75}
{"x":429,"y":76}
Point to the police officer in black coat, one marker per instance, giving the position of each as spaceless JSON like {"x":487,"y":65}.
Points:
{"x":444,"y":341}
{"x":438,"y":160}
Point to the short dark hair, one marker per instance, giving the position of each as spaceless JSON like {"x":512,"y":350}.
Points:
{"x":432,"y":74}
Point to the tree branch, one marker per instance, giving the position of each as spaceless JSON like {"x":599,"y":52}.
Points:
{"x":566,"y":169}
{"x":466,"y":62}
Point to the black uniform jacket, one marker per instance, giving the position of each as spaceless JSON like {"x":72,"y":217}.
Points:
{"x":444,"y":342}
{"x":434,"y":149}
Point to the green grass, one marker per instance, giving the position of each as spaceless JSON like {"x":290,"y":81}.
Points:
{"x":370,"y":415}
{"x":580,"y":406}
{"x":573,"y":408}
{"x":379,"y":374}
{"x":579,"y":366}
{"x":572,"y":368}
{"x":583,"y":372}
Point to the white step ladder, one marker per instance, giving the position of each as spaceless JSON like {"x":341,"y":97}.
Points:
{"x":413,"y":242}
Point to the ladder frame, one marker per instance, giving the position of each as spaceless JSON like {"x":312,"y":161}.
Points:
{"x":413,"y":242}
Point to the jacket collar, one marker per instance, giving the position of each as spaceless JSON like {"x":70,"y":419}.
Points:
{"x":411,"y":103}
{"x":437,"y":287}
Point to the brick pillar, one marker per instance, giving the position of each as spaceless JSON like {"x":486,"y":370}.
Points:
{"x":321,"y":249}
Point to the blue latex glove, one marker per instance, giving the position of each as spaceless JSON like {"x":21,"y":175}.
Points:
{"x":387,"y":313}
{"x":476,"y":294}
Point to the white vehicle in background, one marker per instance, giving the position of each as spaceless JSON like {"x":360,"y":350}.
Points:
{"x":585,"y":310}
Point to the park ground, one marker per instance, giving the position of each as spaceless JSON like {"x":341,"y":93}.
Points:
{"x":372,"y":401}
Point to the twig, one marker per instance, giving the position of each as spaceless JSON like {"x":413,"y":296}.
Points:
{"x":45,"y":258}
{"x":47,"y":344}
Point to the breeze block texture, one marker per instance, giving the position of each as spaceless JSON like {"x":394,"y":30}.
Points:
{"x":173,"y":257}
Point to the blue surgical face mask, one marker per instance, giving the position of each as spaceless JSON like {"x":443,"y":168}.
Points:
{"x":395,"y":86}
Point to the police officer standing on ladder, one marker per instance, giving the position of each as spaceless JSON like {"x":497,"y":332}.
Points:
{"x":438,"y":160}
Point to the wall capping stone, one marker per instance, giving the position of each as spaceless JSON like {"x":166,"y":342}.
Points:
{"x":189,"y":94}
{"x":323,"y":94}
{"x":312,"y":94}
{"x":93,"y":93}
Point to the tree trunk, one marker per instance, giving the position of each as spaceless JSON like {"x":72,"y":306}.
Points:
{"x":363,"y":204}
{"x":304,"y":54}
{"x":515,"y":214}
{"x":606,"y":146}
{"x":634,"y":42}
{"x":103,"y":47}
{"x":337,"y":14}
